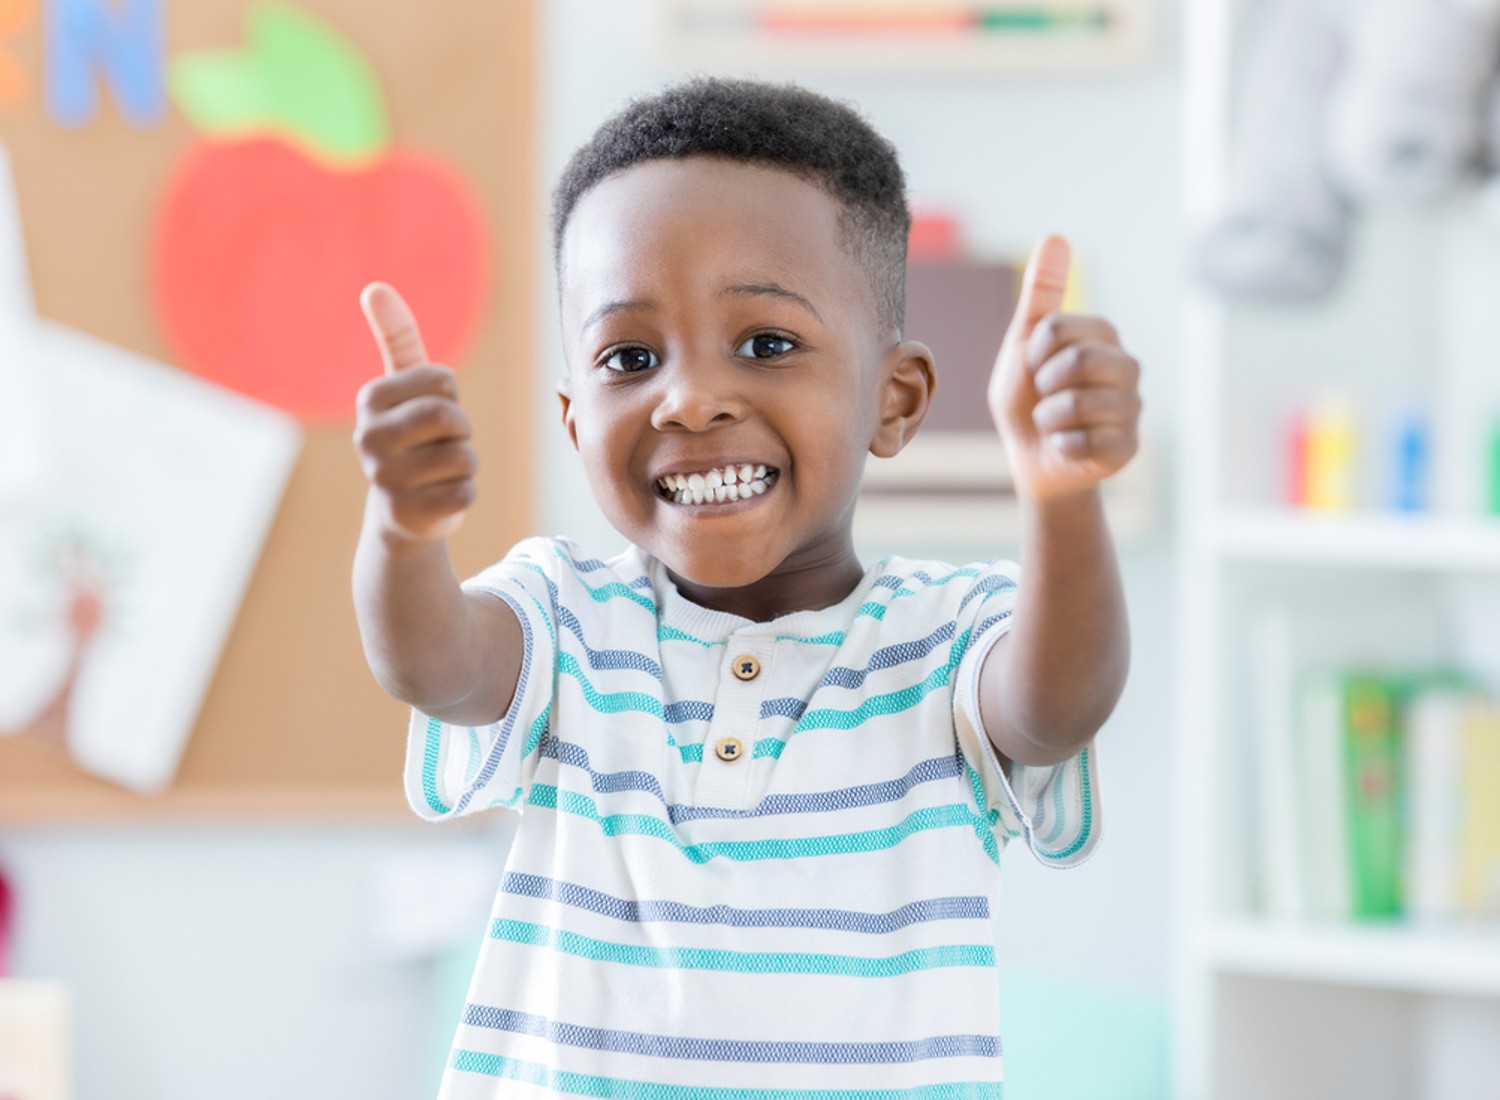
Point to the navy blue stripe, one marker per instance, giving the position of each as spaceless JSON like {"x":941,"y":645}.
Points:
{"x":673,"y":912}
{"x":813,"y":802}
{"x":497,"y":751}
{"x":689,"y":710}
{"x":601,"y":659}
{"x":985,"y":624}
{"x":731,"y":1050}
{"x":566,"y":752}
{"x":993,"y":583}
{"x":888,"y":657}
{"x":593,"y":565}
{"x":598,"y":658}
{"x":786,"y":706}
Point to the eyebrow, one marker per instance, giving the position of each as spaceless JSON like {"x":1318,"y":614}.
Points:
{"x":617,"y":307}
{"x":769,"y":290}
{"x":738,"y":290}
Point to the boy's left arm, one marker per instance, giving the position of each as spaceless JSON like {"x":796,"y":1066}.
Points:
{"x":1064,"y":396}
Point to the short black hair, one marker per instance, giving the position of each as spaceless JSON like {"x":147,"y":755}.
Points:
{"x":778,"y":125}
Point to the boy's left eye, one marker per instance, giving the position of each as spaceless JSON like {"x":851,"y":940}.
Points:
{"x":765,"y":345}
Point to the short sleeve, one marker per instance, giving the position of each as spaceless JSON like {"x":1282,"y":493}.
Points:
{"x":1054,"y":810}
{"x":453,"y":770}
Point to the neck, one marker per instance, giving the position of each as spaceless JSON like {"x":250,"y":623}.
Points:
{"x":809,"y":583}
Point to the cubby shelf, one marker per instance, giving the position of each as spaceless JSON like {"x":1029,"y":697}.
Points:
{"x":1457,"y":962}
{"x":1308,"y":1011}
{"x":1378,"y":540}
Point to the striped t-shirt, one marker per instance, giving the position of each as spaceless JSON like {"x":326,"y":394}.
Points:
{"x":754,"y":860}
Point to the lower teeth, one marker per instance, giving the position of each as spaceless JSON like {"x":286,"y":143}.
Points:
{"x":722,"y":493}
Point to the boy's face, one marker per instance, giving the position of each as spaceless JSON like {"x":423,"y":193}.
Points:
{"x":714,"y":318}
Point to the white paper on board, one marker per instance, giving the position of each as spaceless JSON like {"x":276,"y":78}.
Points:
{"x":173,"y":483}
{"x":24,"y":445}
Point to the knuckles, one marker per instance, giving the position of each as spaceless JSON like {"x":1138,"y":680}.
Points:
{"x":391,"y":390}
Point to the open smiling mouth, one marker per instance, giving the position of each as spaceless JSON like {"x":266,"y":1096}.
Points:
{"x":720,"y":485}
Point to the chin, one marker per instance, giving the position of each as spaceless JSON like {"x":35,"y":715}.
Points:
{"x":716,"y":570}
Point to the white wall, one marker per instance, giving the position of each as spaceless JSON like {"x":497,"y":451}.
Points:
{"x":232,"y":962}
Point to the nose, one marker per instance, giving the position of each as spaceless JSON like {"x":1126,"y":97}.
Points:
{"x":695,"y":398}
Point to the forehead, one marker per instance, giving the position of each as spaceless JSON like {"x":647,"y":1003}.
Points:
{"x":697,"y":224}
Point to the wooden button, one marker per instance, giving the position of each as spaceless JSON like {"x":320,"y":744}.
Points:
{"x":746,"y":667}
{"x":729,"y":748}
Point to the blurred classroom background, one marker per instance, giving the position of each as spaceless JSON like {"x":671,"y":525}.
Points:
{"x":211,"y":883}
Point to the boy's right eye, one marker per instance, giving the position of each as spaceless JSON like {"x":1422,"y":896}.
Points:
{"x":630,"y":360}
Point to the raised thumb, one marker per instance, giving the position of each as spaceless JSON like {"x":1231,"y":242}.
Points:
{"x":1044,"y":284}
{"x":394,"y":327}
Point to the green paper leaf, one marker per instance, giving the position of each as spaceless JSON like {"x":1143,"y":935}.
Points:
{"x":298,"y":78}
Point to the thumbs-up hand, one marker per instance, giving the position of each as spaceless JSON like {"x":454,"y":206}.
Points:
{"x":1063,"y":392}
{"x":411,"y":435}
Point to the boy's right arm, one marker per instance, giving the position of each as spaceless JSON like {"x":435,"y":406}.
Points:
{"x":453,"y":655}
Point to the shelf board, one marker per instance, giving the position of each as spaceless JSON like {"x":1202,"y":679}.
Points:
{"x":1458,"y":962}
{"x":1363,"y":539}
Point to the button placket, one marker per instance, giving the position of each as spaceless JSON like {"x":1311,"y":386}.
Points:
{"x":725,"y":774}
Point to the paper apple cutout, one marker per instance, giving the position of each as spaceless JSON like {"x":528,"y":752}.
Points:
{"x":267,"y":231}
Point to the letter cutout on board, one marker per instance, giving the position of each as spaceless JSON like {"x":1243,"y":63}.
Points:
{"x":122,"y":40}
{"x":15,"y":16}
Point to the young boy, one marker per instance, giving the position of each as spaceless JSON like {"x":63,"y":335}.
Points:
{"x":763,"y":789}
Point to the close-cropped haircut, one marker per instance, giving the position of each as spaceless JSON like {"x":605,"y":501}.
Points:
{"x":781,"y":126}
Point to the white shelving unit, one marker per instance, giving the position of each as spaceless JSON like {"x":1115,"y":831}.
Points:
{"x":1270,"y":1007}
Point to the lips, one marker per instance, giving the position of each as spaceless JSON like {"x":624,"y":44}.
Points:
{"x":717,"y":484}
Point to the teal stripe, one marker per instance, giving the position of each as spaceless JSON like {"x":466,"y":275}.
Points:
{"x":937,"y":582}
{"x":1088,"y":810}
{"x":976,"y":784}
{"x":743,"y":962}
{"x":430,"y":752}
{"x":890,"y":703}
{"x":765,"y":746}
{"x":613,"y":590}
{"x":616,"y":1088}
{"x":606,"y":592}
{"x":872,"y":609}
{"x":665,"y":633}
{"x":745,"y":851}
{"x":609,"y":702}
{"x":825,"y":718}
{"x":833,"y":637}
{"x":534,"y":735}
{"x":768,"y":746}
{"x":1085,"y":829}
{"x":545,"y":614}
{"x":471,"y":768}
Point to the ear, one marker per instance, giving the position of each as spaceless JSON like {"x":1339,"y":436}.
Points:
{"x":905,"y":397}
{"x":565,"y":395}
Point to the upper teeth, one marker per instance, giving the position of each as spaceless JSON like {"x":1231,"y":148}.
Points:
{"x":722,"y":483}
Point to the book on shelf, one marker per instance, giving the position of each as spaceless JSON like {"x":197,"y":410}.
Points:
{"x":1298,"y":816}
{"x":1452,"y":869}
{"x":1479,"y":836}
{"x":1396,"y":792}
{"x":1354,"y":737}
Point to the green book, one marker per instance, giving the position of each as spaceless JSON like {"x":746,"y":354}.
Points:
{"x":1372,"y":761}
{"x":1375,"y":752}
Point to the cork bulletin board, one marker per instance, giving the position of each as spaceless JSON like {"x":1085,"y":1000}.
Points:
{"x":168,"y":158}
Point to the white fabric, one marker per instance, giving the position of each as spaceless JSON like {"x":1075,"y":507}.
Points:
{"x":815,"y":914}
